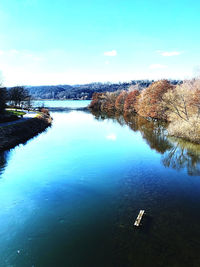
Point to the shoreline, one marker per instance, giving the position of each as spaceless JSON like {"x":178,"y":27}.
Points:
{"x":55,"y":99}
{"x":20,"y":132}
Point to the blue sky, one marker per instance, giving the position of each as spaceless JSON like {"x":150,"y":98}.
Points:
{"x":71,"y":42}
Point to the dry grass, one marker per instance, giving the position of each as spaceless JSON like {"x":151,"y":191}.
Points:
{"x":189,"y":130}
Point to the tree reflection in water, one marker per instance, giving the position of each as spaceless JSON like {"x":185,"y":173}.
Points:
{"x":176,"y":153}
{"x":183,"y":155}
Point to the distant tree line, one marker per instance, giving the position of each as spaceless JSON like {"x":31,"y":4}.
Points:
{"x":178,"y":104}
{"x":84,"y":91}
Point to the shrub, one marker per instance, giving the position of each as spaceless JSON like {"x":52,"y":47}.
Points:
{"x":45,"y":111}
{"x":189,"y":130}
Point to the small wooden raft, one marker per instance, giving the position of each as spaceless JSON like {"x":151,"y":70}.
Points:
{"x":139,"y":218}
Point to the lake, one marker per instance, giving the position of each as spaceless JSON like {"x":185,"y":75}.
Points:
{"x":70,"y":196}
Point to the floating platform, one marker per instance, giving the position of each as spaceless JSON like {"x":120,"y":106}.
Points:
{"x":139,"y":218}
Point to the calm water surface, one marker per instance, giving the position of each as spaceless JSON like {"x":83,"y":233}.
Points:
{"x":69,"y":197}
{"x":62,"y":103}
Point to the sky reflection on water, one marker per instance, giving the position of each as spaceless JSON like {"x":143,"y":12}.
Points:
{"x":69,"y":197}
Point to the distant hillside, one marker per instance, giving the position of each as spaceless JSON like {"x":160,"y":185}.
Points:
{"x":84,"y":91}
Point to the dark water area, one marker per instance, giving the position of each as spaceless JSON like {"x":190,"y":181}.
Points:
{"x":70,"y":196}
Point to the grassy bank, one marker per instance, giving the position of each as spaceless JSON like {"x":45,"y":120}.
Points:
{"x":15,"y":112}
{"x":11,"y":115}
{"x":20,"y":132}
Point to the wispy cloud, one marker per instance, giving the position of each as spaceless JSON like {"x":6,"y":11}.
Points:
{"x":169,"y":53}
{"x":112,"y":53}
{"x":157,"y":66}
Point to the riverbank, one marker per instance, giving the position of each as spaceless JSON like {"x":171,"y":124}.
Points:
{"x":162,"y":101}
{"x":21,"y":131}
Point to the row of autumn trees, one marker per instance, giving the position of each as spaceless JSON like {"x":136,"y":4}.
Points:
{"x":15,"y":96}
{"x":177,"y":104}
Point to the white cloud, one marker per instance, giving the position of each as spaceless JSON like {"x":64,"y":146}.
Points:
{"x":112,"y":53}
{"x":169,"y":53}
{"x":111,"y":137}
{"x":157,"y":66}
{"x":27,"y":67}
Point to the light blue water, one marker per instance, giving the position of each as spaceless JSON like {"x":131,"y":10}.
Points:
{"x":69,"y":197}
{"x":62,"y":103}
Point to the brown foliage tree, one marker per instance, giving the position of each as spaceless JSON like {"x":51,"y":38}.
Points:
{"x":131,"y":101}
{"x":120,"y":100}
{"x":97,"y":99}
{"x":108,"y":104}
{"x":150,"y":101}
{"x":195,"y":100}
{"x":183,"y":101}
{"x":183,"y":110}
